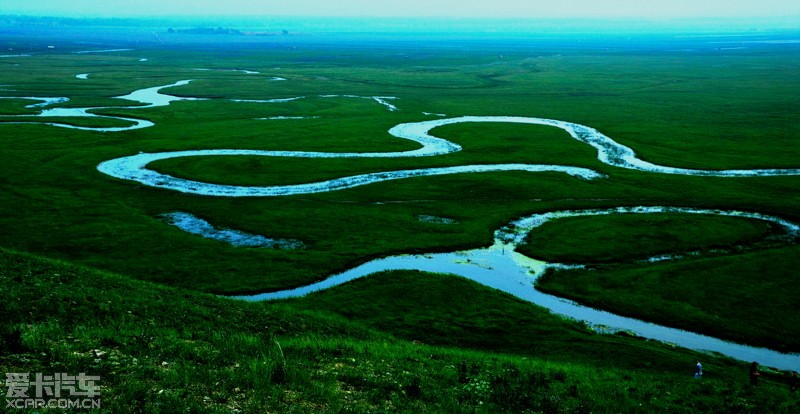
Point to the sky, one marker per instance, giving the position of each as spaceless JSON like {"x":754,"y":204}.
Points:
{"x":534,"y":9}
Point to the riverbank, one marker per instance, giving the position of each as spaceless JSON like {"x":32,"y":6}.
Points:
{"x":151,"y":345}
{"x":501,"y":267}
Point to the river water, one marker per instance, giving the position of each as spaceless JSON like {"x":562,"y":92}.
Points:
{"x":498,"y":266}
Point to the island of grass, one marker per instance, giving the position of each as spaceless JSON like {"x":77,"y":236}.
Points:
{"x":691,"y":287}
{"x":653,"y":237}
{"x":699,"y":294}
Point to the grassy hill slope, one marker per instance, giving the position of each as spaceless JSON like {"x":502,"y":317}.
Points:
{"x":162,"y":349}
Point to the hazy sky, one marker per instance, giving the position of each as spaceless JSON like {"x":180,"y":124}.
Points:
{"x":410,"y":8}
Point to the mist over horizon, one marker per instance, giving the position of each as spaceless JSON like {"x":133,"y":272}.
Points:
{"x":425,"y":15}
{"x":322,"y":24}
{"x":608,"y":9}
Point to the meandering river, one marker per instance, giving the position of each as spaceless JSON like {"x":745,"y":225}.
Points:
{"x":501,"y":267}
{"x":498,"y":266}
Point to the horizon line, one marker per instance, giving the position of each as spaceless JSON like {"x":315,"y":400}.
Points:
{"x":401,"y":17}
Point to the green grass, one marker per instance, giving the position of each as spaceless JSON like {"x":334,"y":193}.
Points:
{"x":447,"y":310}
{"x":161,"y":349}
{"x":483,"y":143}
{"x":703,"y":109}
{"x":628,"y":237}
{"x":112,"y":224}
{"x":72,"y":212}
{"x":76,"y":121}
{"x":745,"y":297}
{"x":736,"y":293}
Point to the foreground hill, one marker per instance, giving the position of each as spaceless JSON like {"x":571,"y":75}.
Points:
{"x":162,"y":349}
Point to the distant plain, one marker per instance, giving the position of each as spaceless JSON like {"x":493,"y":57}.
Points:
{"x":705,"y":103}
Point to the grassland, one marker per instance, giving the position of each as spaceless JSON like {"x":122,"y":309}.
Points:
{"x":627,"y":238}
{"x":704,"y":108}
{"x":163,"y":349}
{"x":699,"y":294}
